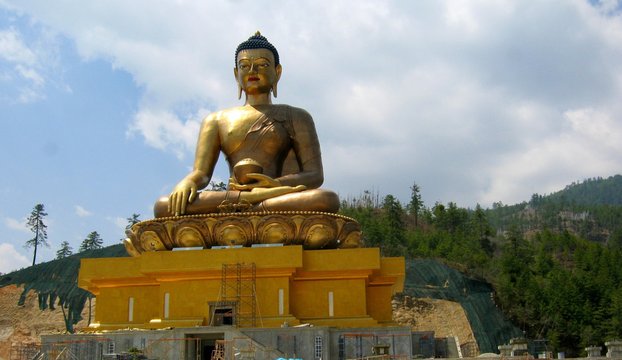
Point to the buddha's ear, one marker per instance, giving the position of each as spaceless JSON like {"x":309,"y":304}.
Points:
{"x":235,"y":73}
{"x":279,"y":69}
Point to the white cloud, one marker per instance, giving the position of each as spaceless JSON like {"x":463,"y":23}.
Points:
{"x":31,"y":62}
{"x":588,"y":146}
{"x":119,"y":222}
{"x":19,"y":225}
{"x":10,"y":259}
{"x":13,"y":49}
{"x":476,"y":101}
{"x":164,"y":130}
{"x":82,"y":212}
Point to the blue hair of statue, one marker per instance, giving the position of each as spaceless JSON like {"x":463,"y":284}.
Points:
{"x":257,"y":41}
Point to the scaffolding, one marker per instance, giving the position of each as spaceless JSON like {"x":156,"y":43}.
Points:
{"x":93,"y":348}
{"x":24,"y":351}
{"x":238,"y":293}
{"x":219,"y":351}
{"x":362,"y":345}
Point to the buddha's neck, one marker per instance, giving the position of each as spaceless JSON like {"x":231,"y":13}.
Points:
{"x":258,"y":99}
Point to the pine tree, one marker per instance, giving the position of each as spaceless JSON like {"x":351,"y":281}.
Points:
{"x":221,"y":186}
{"x":480,"y":223}
{"x":134,"y":219}
{"x":64,"y":251}
{"x":415,"y":204}
{"x":92,"y":241}
{"x":393,"y":227}
{"x":35,"y":221}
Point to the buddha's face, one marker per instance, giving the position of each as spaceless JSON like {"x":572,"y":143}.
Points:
{"x":255,"y":71}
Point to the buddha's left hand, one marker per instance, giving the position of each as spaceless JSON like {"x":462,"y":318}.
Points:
{"x":262,"y":181}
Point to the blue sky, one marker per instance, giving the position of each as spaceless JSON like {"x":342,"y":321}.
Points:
{"x":476,"y":101}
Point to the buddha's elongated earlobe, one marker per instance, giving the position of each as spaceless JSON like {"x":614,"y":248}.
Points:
{"x":235,"y":73}
{"x":279,"y":70}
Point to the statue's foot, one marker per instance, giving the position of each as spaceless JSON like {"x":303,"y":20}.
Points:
{"x":308,"y":200}
{"x":260,"y":194}
{"x":280,"y":198}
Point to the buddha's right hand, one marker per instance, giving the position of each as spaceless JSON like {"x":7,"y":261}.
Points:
{"x":184,"y":193}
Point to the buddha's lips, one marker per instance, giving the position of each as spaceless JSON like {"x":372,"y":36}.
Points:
{"x":253,"y":78}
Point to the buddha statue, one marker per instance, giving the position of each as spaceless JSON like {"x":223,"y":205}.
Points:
{"x":273,"y":194}
{"x":272,"y":150}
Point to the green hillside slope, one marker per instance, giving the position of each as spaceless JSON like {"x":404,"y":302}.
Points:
{"x":55,"y":282}
{"x":591,"y":209}
{"x":427,"y":278}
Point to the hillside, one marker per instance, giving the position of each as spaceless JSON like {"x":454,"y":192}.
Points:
{"x":591,"y":209}
{"x":552,"y":261}
{"x":427,"y":278}
{"x":55,"y":283}
{"x":596,"y":191}
{"x":44,"y":299}
{"x":22,"y":325}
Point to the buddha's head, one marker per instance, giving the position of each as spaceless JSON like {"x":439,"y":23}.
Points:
{"x":257,"y":68}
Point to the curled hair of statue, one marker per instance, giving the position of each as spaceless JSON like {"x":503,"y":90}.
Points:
{"x":257,"y":41}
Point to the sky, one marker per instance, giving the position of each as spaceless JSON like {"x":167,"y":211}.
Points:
{"x":475,"y":101}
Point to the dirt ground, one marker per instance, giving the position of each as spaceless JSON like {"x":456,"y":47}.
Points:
{"x":445,"y":318}
{"x":20,"y":325}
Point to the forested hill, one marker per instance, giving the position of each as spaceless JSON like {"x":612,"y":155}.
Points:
{"x":596,"y":191}
{"x":553,"y":261}
{"x":591,"y":209}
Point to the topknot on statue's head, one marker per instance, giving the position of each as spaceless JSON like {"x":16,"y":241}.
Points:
{"x":257,"y":41}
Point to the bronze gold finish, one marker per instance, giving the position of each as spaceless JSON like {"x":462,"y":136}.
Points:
{"x":312,"y":230}
{"x":275,"y":165}
{"x":278,"y":144}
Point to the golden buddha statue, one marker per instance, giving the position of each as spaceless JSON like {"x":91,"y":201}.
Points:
{"x":273,"y":195}
{"x":277,"y":142}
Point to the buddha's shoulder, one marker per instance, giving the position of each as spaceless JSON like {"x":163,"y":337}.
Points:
{"x":296,"y":112}
{"x":226,"y":113}
{"x":223,"y":116}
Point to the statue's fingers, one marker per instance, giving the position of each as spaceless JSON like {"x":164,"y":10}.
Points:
{"x":183,"y":201}
{"x":256,"y":176}
{"x":193,"y":194}
{"x":239,"y":187}
{"x":264,"y":180}
{"x":260,"y":177}
{"x":176,"y":205}
{"x":171,"y":203}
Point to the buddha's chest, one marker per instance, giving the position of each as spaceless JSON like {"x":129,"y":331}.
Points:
{"x":255,"y":135}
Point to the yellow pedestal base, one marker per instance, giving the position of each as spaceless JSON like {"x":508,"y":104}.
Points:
{"x":341,"y":288}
